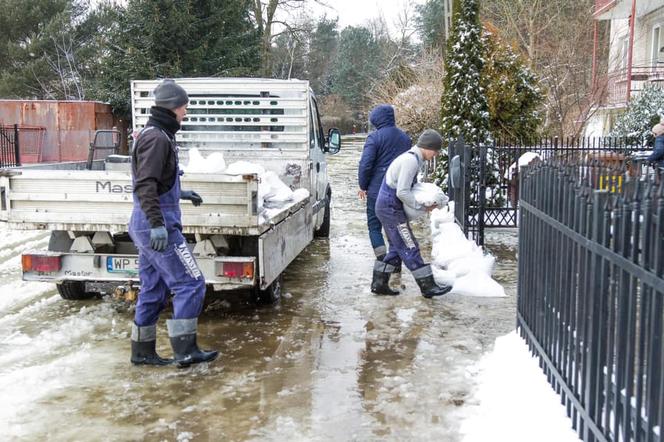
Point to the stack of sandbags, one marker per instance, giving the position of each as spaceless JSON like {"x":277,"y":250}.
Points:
{"x":458,"y":261}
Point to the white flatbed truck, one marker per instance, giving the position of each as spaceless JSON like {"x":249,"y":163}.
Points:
{"x":86,"y":206}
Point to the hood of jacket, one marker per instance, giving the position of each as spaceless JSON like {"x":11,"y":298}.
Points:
{"x":382,"y":116}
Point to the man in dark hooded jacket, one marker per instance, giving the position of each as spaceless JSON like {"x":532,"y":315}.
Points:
{"x":381,"y":147}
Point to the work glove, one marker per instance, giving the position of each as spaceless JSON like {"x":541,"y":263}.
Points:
{"x":158,"y":238}
{"x":192,"y":196}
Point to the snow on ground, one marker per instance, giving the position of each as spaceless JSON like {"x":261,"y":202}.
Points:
{"x":513,"y":400}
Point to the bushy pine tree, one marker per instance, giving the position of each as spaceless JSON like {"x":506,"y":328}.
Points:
{"x":174,"y":38}
{"x":464,"y":109}
{"x":643,"y":112}
{"x":512,"y":90}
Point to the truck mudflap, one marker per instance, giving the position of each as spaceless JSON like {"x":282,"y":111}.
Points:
{"x":225,"y":271}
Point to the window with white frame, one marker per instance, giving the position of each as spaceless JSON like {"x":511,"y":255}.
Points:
{"x":624,"y":52}
{"x":657,"y":45}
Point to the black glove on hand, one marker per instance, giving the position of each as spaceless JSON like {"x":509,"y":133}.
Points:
{"x":192,"y":196}
{"x":158,"y":238}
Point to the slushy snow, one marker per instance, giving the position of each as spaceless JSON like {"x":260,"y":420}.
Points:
{"x":458,"y":261}
{"x":513,"y":400}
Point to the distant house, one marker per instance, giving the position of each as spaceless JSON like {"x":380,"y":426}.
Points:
{"x":636,"y":56}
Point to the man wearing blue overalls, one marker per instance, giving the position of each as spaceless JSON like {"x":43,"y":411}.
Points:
{"x":381,"y":148}
{"x":395,"y":192}
{"x":165,"y":262}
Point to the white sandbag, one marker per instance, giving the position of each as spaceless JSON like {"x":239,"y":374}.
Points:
{"x":277,"y":192}
{"x":244,"y":168}
{"x":197,"y":163}
{"x":442,"y":276}
{"x":478,"y":284}
{"x":442,"y":216}
{"x":429,"y":194}
{"x":476,"y":261}
{"x":451,"y":244}
{"x":300,"y":194}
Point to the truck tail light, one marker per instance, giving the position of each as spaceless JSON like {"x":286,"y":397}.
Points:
{"x":40,"y":263}
{"x":236,"y":269}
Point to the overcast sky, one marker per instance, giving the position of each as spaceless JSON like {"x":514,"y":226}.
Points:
{"x":358,"y":12}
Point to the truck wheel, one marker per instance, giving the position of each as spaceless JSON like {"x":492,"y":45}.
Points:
{"x":272,"y":294}
{"x":324,"y":230}
{"x":74,"y":290}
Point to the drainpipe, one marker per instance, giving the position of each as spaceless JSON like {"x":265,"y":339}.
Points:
{"x":595,"y":44}
{"x":632,"y":19}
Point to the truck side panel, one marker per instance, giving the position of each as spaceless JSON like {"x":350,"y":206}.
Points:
{"x":278,"y":247}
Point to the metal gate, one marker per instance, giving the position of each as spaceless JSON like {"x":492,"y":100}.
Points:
{"x":484,"y":180}
{"x":9,"y":146}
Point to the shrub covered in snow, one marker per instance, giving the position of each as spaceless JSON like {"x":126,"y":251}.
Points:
{"x":643,"y":112}
{"x":464,"y":108}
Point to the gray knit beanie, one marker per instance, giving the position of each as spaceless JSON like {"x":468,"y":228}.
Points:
{"x":170,"y":95}
{"x":430,"y":139}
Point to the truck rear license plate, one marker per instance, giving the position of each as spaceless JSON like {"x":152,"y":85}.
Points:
{"x":122,"y":264}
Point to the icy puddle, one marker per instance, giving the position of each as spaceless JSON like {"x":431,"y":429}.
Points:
{"x":330,"y":362}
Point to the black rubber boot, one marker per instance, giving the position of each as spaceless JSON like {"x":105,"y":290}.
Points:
{"x":428,"y":286}
{"x":182,"y":333}
{"x":381,"y":278}
{"x":143,"y":346}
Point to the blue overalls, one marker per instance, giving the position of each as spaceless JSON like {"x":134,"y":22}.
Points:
{"x":173,"y":270}
{"x":403,"y":245}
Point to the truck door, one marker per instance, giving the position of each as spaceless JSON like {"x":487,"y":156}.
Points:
{"x":316,"y":154}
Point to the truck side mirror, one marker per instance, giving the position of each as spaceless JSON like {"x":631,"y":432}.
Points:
{"x":333,"y":141}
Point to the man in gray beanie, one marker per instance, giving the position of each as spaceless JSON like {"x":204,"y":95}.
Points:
{"x":165,"y":262}
{"x":395,"y":193}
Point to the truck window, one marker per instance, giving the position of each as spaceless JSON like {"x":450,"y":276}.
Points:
{"x":319,"y":126}
{"x":314,"y":135}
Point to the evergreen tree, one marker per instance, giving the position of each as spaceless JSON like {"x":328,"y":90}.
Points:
{"x":46,"y":47}
{"x":513,"y":94}
{"x":643,"y":112}
{"x":464,"y":109}
{"x":356,"y":66}
{"x":175,"y":38}
{"x":322,"y":52}
{"x":430,"y":23}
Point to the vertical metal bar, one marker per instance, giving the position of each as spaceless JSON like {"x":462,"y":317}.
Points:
{"x":17,"y":149}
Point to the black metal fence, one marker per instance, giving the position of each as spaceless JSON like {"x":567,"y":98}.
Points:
{"x":9,"y":146}
{"x":591,"y":293}
{"x":490,"y":197}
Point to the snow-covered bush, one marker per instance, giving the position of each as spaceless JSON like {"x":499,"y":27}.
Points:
{"x":415,"y":93}
{"x":643,"y":112}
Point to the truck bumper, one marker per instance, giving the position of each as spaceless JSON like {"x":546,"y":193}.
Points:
{"x":226,"y":272}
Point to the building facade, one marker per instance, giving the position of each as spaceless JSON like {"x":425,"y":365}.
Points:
{"x":636,"y":56}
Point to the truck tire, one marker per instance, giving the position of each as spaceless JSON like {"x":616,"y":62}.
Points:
{"x":271,"y":295}
{"x":324,"y":230}
{"x":74,"y":290}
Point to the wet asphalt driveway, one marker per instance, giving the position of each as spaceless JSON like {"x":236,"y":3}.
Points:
{"x":329,"y":362}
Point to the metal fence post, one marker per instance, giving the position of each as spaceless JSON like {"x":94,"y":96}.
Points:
{"x":17,"y":150}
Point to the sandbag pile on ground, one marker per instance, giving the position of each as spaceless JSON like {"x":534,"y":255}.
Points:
{"x":458,"y":261}
{"x":273,"y":194}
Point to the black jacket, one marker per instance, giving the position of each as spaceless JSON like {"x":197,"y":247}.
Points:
{"x":154,"y":162}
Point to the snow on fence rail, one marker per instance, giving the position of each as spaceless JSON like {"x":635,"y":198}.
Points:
{"x":591,"y":295}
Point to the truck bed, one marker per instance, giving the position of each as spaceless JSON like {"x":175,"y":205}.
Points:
{"x":84,"y":200}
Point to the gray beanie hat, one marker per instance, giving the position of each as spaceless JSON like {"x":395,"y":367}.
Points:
{"x":170,"y":95}
{"x":430,"y":139}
